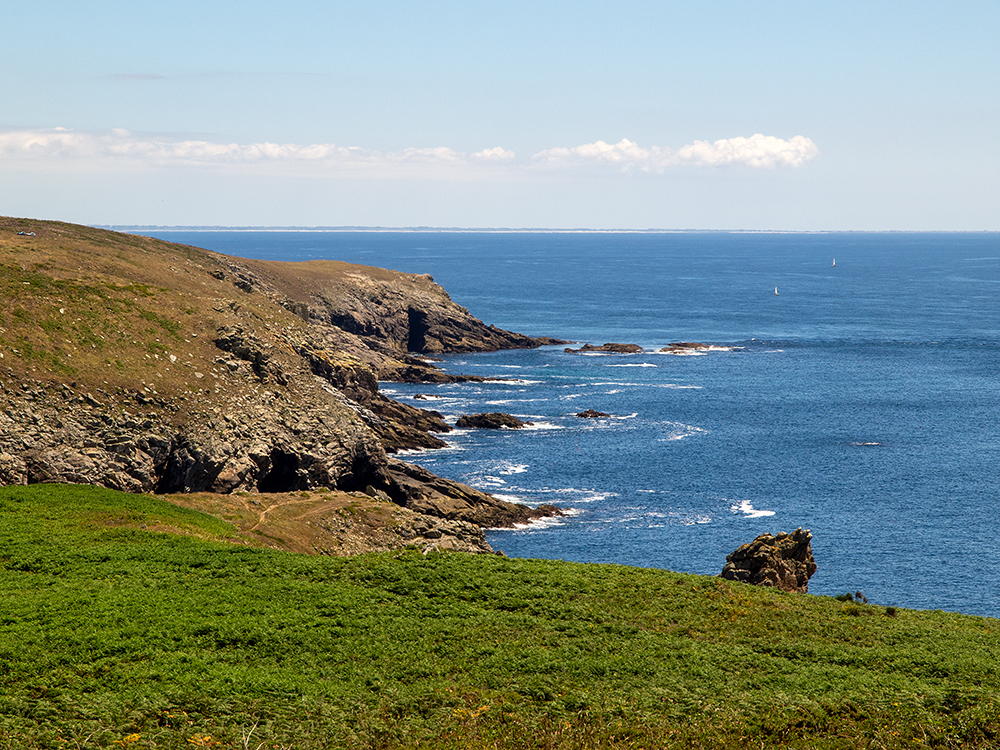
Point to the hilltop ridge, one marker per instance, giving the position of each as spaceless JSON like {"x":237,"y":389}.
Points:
{"x":141,"y":365}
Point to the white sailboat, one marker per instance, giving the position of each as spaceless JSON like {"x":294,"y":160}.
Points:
{"x":834,"y":262}
{"x":775,"y":291}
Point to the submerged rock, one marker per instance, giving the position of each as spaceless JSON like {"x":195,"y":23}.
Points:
{"x":491,"y":421}
{"x":784,"y":561}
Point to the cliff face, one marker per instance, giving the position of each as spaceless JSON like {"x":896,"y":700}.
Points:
{"x":140,"y":365}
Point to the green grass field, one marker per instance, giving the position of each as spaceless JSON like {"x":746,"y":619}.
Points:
{"x":114,"y":634}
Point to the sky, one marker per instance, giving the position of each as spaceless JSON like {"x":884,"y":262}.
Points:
{"x":805,"y":115}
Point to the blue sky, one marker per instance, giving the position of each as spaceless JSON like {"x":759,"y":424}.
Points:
{"x":706,"y":115}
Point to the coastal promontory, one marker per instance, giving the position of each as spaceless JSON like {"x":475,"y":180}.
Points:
{"x":141,"y":365}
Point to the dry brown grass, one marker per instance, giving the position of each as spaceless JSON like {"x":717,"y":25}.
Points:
{"x":103,"y":308}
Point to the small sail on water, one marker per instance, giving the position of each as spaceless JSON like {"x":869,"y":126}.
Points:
{"x":775,"y":291}
{"x":834,"y":262}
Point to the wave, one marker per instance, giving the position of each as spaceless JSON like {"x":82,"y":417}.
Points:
{"x":537,"y":524}
{"x":679,"y":431}
{"x":749,"y":511}
{"x":535,"y":426}
{"x":510,"y":468}
{"x":643,"y":364}
{"x":589,"y":496}
{"x":507,"y":498}
{"x":411,"y":451}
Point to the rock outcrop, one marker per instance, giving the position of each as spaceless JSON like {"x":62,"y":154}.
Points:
{"x":784,"y":561}
{"x":493,"y":420}
{"x":592,"y":414}
{"x":609,"y":348}
{"x":426,"y":493}
{"x":270,"y":440}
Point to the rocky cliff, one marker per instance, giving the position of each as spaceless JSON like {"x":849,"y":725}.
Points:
{"x":137,"y":364}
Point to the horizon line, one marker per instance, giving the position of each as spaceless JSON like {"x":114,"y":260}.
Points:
{"x":511,"y":230}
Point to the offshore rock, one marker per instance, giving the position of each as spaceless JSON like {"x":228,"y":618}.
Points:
{"x":494,"y":420}
{"x":609,"y":348}
{"x":692,"y":347}
{"x":784,"y":561}
{"x":592,"y":414}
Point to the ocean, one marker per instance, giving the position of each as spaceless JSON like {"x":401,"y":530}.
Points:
{"x":859,"y":399}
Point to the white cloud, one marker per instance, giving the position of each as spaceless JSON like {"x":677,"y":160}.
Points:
{"x":494,"y":154}
{"x":122,"y":146}
{"x":60,"y":143}
{"x":756,"y":151}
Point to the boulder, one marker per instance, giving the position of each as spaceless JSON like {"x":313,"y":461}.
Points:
{"x":491,"y":421}
{"x":784,"y":561}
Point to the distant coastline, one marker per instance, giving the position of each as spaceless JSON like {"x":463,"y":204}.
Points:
{"x":131,"y":228}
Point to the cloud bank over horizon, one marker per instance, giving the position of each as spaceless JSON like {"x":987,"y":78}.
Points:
{"x":62,"y":144}
{"x":759,"y":151}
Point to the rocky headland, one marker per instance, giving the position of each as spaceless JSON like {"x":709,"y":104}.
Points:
{"x":145,"y":366}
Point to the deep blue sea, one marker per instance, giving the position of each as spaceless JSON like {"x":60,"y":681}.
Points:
{"x":862,"y":401}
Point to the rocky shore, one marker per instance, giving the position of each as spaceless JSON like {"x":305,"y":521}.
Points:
{"x":140,"y":365}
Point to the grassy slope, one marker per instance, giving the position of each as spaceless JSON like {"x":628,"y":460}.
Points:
{"x":115,"y":635}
